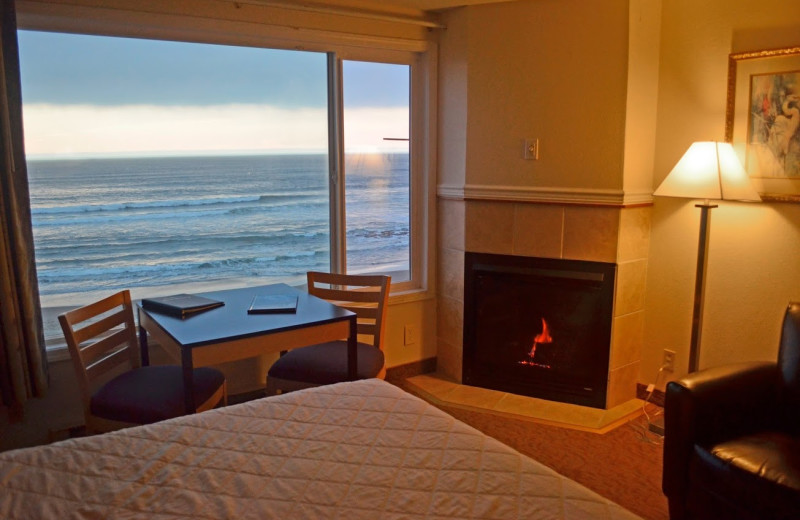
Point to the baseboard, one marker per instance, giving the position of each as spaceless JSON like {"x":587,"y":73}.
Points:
{"x":400,"y":373}
{"x":245,"y":396}
{"x":656,"y":398}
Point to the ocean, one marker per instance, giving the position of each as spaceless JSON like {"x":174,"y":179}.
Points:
{"x":158,"y":224}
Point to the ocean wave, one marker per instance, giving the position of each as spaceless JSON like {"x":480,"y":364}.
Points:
{"x":177,"y":203}
{"x":131,"y":218}
{"x":133,"y":273}
{"x":378,"y":233}
{"x":68,"y":246}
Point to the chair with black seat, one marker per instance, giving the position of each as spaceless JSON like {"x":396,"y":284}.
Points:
{"x":117,"y":391}
{"x":326,"y":363}
{"x":732,"y":437}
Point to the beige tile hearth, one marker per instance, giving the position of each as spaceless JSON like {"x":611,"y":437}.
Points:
{"x":438,"y":389}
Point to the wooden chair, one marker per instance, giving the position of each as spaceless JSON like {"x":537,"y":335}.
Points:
{"x":117,"y":391}
{"x":326,"y":363}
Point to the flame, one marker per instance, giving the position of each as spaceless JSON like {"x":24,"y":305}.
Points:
{"x":544,"y":336}
{"x":541,"y":338}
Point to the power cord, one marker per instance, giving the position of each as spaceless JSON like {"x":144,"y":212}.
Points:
{"x":653,"y":430}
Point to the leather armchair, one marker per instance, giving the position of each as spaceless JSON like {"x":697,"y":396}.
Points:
{"x":732,"y":437}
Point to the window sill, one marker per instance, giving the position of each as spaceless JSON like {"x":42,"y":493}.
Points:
{"x":57,"y":352}
{"x":411,"y":295}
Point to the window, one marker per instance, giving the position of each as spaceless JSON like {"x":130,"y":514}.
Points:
{"x":167,"y":167}
{"x":377,"y":177}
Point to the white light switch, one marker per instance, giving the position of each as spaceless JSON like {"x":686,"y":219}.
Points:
{"x":531,"y":151}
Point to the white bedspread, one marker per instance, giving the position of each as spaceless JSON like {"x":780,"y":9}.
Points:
{"x":355,"y":450}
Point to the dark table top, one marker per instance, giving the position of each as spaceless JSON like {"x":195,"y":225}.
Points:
{"x":231,"y":321}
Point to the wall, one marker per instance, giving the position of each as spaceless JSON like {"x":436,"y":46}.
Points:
{"x":752,"y":264}
{"x":641,"y":108}
{"x":552,"y":69}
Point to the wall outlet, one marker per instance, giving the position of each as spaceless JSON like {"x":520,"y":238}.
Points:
{"x":668,"y":361}
{"x":409,"y":334}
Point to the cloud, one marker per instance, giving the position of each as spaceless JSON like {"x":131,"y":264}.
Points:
{"x":129,"y":130}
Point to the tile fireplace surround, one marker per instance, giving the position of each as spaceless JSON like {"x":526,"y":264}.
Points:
{"x":604,"y":233}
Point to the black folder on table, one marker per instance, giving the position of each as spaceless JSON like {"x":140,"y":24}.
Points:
{"x":273,"y":303}
{"x":180,"y":305}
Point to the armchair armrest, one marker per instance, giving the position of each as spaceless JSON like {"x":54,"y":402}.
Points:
{"x":708,"y":406}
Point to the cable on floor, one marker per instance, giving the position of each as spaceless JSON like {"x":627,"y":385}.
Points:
{"x":652,"y":430}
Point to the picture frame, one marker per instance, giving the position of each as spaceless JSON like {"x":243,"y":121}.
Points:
{"x":762,"y":119}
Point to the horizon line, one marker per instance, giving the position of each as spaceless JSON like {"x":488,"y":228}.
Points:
{"x":191,"y":154}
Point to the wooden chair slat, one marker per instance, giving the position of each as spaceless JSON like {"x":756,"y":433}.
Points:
{"x":367,"y":329}
{"x":363,"y":313}
{"x":108,"y":363}
{"x":342,"y":295}
{"x":91,"y":310}
{"x":100,"y":327}
{"x":98,"y":349}
{"x":353,"y":280}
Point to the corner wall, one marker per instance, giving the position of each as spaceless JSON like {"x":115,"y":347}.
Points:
{"x":752,"y":264}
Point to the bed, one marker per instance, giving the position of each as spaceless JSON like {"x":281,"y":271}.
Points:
{"x":364,"y":449}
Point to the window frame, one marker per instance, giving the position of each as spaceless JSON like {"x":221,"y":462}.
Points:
{"x":419,"y":55}
{"x":338,"y":171}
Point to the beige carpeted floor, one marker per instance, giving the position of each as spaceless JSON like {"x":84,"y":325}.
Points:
{"x":623,"y":465}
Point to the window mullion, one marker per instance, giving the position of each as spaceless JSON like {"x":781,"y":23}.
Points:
{"x":336,"y":164}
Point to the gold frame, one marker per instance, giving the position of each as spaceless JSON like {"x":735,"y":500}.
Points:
{"x":741,"y":67}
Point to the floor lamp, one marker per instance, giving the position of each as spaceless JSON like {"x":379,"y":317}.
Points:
{"x":710,"y":171}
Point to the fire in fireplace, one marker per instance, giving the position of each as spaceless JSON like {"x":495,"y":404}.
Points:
{"x":538,"y":327}
{"x":542,"y":337}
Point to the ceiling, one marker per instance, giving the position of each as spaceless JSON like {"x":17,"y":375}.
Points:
{"x":407,"y":6}
{"x":433,"y":5}
{"x":413,"y":10}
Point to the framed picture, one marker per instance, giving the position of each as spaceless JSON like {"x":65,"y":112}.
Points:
{"x":762,"y":119}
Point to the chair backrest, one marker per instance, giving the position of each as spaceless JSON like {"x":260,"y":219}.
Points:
{"x":101,"y":336}
{"x":366,"y":295}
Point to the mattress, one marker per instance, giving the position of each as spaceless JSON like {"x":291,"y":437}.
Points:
{"x":363,"y":449}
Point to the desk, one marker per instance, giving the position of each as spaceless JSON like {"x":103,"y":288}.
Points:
{"x":228,"y":333}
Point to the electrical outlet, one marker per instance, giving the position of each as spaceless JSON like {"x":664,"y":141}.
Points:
{"x":668,"y":361}
{"x":409,"y":335}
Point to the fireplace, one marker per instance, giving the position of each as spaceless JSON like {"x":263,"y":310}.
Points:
{"x":538,"y":327}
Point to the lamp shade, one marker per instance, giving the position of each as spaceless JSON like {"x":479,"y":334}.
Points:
{"x":708,"y":170}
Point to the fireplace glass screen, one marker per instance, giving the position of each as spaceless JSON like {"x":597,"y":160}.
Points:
{"x":538,"y":327}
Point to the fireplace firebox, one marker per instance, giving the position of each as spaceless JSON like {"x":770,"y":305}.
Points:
{"x":538,"y":327}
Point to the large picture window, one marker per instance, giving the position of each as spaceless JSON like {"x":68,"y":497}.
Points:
{"x":165,"y":167}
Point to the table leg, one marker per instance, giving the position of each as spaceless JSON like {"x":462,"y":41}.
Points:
{"x":144,"y":348}
{"x":352,"y":350}
{"x":188,"y":380}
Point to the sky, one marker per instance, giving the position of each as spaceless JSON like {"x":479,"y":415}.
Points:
{"x":106,"y":96}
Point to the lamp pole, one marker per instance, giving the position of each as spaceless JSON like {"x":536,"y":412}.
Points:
{"x":699,"y":284}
